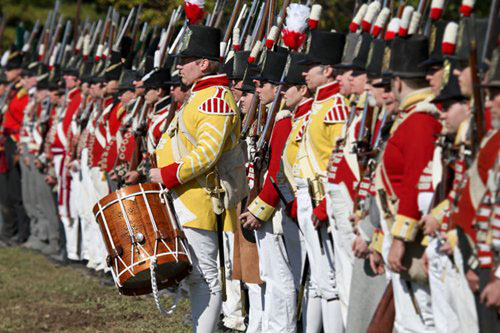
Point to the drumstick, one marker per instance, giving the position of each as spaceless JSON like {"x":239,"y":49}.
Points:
{"x":152,"y":159}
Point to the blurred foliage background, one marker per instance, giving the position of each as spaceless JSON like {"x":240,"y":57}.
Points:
{"x":337,"y":14}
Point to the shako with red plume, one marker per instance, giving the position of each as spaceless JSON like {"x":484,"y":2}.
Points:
{"x":392,"y":29}
{"x":466,"y":7}
{"x":449,"y":43}
{"x":404,"y":23}
{"x":380,"y":22}
{"x":356,"y":21}
{"x":194,"y":10}
{"x":436,"y":9}
{"x":293,"y":33}
{"x":370,"y":15}
{"x":314,"y":16}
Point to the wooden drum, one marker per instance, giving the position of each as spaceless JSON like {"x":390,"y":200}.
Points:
{"x":138,"y":225}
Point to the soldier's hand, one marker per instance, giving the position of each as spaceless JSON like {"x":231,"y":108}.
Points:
{"x":26,"y":161}
{"x":38,"y":164}
{"x":155,"y":176}
{"x":113,"y":176}
{"x":376,"y":262}
{"x":473,"y":280}
{"x":249,"y":221}
{"x":491,"y":294}
{"x":74,"y":166}
{"x":447,"y":248}
{"x":395,"y":257}
{"x":131,"y":177}
{"x":360,"y":247}
{"x":429,"y":224}
{"x":50,"y":180}
{"x":316,"y":222}
{"x":354,"y":219}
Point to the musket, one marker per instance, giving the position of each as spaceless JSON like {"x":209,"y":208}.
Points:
{"x":248,"y":21}
{"x":107,"y":25}
{"x":230,"y":26}
{"x":249,"y":118}
{"x":220,"y":14}
{"x":123,"y":30}
{"x":135,"y":25}
{"x":95,"y":34}
{"x":67,"y":31}
{"x":174,"y":18}
{"x":401,"y":7}
{"x":212,"y":16}
{"x":33,"y":33}
{"x":259,"y":33}
{"x":2,"y":27}
{"x":492,"y":27}
{"x":112,"y":32}
{"x":55,"y":36}
{"x":139,"y":133}
{"x":77,"y":23}
{"x":53,"y":18}
{"x":478,"y":106}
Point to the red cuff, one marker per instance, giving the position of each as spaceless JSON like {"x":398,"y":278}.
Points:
{"x":169,"y":175}
{"x":320,"y":211}
{"x":291,"y":209}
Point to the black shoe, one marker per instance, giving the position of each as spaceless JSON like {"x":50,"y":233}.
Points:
{"x":107,"y":280}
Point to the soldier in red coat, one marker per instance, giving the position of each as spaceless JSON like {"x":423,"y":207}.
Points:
{"x":16,"y":226}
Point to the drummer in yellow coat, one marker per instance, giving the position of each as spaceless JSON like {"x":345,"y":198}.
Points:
{"x":200,"y":146}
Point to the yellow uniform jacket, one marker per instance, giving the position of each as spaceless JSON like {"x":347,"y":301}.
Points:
{"x":206,"y":127}
{"x":328,"y":115}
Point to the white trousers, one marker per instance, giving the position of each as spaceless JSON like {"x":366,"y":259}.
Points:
{"x":203,"y":282}
{"x":231,"y":308}
{"x":321,"y":264}
{"x":339,"y":208}
{"x":319,"y":313}
{"x":276,"y":272}
{"x":97,"y":190}
{"x":71,"y":226}
{"x":256,"y":311}
{"x":407,"y":318}
{"x":452,"y":300}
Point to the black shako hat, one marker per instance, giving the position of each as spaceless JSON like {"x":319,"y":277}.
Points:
{"x":493,"y":75}
{"x":227,"y":68}
{"x":202,"y":42}
{"x":42,"y":81}
{"x":435,"y":41}
{"x":294,"y":75}
{"x":326,"y":48}
{"x":34,"y":69}
{"x":272,"y":65}
{"x":251,"y":71}
{"x":240,"y":64}
{"x":15,"y":58}
{"x":175,"y":79}
{"x":159,"y":79}
{"x":450,"y":89}
{"x":127,"y":79}
{"x":356,"y":52}
{"x":115,"y":67}
{"x":480,"y":26}
{"x":375,"y":59}
{"x":407,"y":54}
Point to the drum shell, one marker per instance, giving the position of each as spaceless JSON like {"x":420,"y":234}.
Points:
{"x":173,"y":263}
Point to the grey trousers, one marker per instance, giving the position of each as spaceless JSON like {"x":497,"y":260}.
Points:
{"x":366,"y":291}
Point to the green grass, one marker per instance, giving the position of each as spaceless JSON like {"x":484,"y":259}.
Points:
{"x":37,"y":295}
